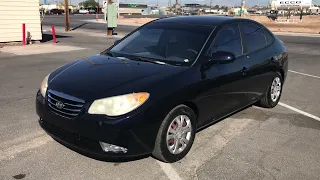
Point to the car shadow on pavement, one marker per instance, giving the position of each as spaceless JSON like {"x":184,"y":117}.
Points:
{"x":48,"y":37}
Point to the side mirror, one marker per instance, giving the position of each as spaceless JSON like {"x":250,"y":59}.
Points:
{"x":222,"y":57}
{"x":116,"y":42}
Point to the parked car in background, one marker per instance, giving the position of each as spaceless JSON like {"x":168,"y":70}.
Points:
{"x":55,"y":12}
{"x":83,"y":11}
{"x":154,"y":89}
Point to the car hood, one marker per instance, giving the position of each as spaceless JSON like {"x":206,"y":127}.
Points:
{"x":92,"y":77}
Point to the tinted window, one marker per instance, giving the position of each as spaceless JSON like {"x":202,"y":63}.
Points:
{"x":168,"y":42}
{"x":228,"y":39}
{"x":269,"y":37}
{"x":253,"y":36}
{"x":146,"y":39}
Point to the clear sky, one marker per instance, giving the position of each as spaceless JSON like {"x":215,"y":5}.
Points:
{"x":165,"y":2}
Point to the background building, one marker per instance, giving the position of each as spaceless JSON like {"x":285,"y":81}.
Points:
{"x":13,"y":13}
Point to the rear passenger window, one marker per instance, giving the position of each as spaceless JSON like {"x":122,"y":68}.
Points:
{"x":254,"y":37}
{"x":229,"y":40}
{"x":269,"y":37}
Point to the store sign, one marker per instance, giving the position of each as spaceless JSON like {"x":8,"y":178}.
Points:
{"x":292,"y":4}
{"x":133,"y":5}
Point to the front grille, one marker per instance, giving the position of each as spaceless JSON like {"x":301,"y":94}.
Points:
{"x":71,"y":138}
{"x":64,"y":105}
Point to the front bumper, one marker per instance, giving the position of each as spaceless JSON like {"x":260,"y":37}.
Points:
{"x":135,"y":133}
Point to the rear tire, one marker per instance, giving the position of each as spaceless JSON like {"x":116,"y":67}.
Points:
{"x":273,"y":94}
{"x":174,"y":139}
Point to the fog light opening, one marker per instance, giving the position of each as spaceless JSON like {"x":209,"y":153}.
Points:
{"x":112,"y":148}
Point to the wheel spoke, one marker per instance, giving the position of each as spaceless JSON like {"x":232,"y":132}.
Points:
{"x":184,"y":141}
{"x":186,"y":129}
{"x":172,"y":131}
{"x":170,"y":136}
{"x":180,"y":120}
{"x":175,"y":146}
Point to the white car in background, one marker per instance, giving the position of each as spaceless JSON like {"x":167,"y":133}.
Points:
{"x":83,"y":11}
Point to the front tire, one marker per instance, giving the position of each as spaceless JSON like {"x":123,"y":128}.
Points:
{"x":273,"y":94}
{"x":176,"y":135}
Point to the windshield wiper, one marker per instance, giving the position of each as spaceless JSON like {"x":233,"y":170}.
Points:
{"x":149,"y":60}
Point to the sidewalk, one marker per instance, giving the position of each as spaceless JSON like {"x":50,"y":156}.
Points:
{"x":296,"y":34}
{"x":87,"y":32}
{"x":105,"y":22}
{"x":37,"y":49}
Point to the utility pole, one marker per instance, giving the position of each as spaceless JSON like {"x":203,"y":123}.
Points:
{"x":98,"y":6}
{"x":66,"y":15}
{"x":242,"y":6}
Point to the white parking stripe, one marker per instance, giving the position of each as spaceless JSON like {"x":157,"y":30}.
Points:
{"x":304,"y":74}
{"x":300,"y":111}
{"x":169,"y":170}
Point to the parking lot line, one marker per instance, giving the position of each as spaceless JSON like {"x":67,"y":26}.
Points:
{"x":300,"y":111}
{"x":169,"y":170}
{"x":304,"y":74}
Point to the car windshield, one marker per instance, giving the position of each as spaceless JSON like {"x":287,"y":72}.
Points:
{"x":177,"y":44}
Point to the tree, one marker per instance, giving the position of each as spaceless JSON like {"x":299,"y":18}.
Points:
{"x":216,"y":7}
{"x":89,"y":4}
{"x":225,"y":8}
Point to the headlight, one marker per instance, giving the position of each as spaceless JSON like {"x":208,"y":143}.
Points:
{"x":44,"y":86}
{"x":118,"y":105}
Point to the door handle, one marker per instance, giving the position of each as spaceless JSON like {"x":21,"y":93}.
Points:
{"x":244,"y":70}
{"x":274,"y":59}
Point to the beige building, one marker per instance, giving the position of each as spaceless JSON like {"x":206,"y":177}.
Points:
{"x":13,"y":13}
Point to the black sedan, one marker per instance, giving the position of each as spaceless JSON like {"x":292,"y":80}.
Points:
{"x":152,"y":90}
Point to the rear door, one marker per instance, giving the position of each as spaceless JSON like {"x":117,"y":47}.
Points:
{"x":259,"y":54}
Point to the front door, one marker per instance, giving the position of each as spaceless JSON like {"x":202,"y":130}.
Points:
{"x":225,"y":88}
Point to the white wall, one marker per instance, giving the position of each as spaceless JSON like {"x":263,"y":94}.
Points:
{"x":13,"y":13}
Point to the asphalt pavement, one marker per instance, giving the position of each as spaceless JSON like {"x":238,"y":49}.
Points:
{"x":257,"y":143}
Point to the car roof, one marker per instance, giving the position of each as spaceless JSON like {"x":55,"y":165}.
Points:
{"x":198,"y":20}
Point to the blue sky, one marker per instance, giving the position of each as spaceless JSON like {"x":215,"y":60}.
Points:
{"x":165,"y":2}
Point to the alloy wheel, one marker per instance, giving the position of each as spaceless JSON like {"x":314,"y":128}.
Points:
{"x":179,"y":134}
{"x":275,"y":89}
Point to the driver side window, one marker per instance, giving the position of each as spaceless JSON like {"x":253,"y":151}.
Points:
{"x":228,"y":39}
